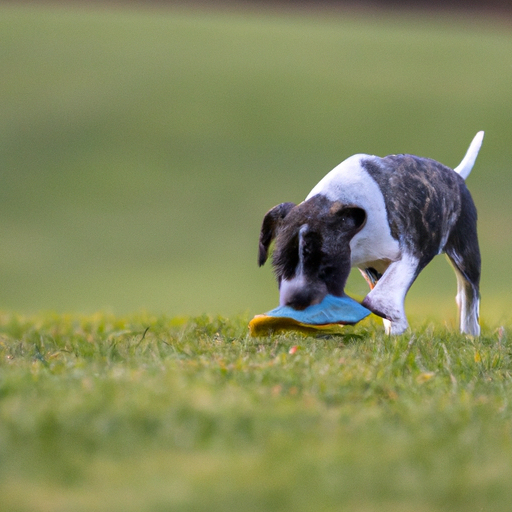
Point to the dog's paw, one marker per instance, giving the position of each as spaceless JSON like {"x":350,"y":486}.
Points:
{"x":395,"y":321}
{"x":395,"y":328}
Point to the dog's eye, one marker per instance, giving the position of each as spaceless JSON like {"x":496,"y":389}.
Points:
{"x":311,"y":241}
{"x":307,"y":248}
{"x":312,"y":250}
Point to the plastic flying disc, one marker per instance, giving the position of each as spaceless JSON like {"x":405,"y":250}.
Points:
{"x":325,"y":317}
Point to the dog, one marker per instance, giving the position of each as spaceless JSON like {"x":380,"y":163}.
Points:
{"x":386,"y":216}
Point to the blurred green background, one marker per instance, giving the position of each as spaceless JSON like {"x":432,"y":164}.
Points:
{"x":140,"y":149}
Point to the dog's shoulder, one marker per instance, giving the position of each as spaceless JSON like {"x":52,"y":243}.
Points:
{"x":346,"y":181}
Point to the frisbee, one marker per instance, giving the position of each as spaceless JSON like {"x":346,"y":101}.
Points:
{"x":326,"y":317}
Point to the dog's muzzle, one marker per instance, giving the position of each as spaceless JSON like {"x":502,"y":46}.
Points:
{"x":299,"y":294}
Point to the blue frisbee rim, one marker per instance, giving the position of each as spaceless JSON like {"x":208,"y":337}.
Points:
{"x":332,"y":310}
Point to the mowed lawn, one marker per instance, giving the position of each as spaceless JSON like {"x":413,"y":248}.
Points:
{"x":139,"y":150}
{"x":145,"y":413}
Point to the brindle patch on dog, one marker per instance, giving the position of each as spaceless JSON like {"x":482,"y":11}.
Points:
{"x":422,"y":199}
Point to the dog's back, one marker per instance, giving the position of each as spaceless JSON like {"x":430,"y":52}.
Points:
{"x":422,"y":199}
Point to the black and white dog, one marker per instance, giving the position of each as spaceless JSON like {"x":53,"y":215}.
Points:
{"x":387,"y":216}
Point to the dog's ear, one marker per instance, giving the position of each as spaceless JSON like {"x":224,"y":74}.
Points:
{"x":269,"y":227}
{"x":350,"y":218}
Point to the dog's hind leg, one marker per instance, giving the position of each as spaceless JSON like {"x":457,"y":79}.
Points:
{"x":468,"y":301}
{"x":464,"y":255}
{"x":387,"y":297}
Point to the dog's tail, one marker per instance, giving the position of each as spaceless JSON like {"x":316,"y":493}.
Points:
{"x":464,"y":168}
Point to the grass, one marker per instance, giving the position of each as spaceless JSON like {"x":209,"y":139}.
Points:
{"x":140,"y":148}
{"x":154,"y":413}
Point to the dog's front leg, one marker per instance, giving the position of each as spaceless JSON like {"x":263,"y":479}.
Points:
{"x":387,"y":298}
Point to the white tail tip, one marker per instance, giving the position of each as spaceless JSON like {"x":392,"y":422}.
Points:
{"x":464,"y":168}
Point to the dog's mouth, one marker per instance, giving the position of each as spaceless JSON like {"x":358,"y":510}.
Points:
{"x":301,"y":303}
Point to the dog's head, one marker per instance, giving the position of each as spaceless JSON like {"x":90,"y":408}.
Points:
{"x":311,"y":256}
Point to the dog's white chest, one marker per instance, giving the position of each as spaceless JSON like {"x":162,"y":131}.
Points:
{"x":351,"y":184}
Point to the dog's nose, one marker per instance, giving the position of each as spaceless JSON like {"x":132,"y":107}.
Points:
{"x":300,"y":300}
{"x":299,"y":293}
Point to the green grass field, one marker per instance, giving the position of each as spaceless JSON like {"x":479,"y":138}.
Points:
{"x":144,"y":413}
{"x":139,"y":150}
